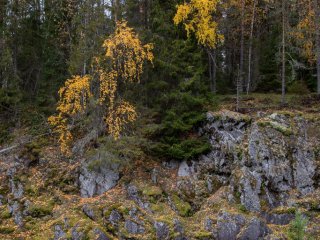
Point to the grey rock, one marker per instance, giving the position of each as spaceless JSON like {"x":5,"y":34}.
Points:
{"x":100,"y":235}
{"x":133,"y":227}
{"x":133,"y":194}
{"x":154,"y":176}
{"x":229,"y":226}
{"x":256,"y":229}
{"x":76,"y":234}
{"x":114,"y":217}
{"x":279,"y":219}
{"x":95,"y":182}
{"x":172,"y":164}
{"x":15,"y":210}
{"x":133,"y":213}
{"x":13,"y":207}
{"x":177,"y":226}
{"x":268,"y":154}
{"x":186,"y":169}
{"x":180,"y":238}
{"x":250,"y":184}
{"x":1,"y":200}
{"x":88,"y":211}
{"x":162,"y":231}
{"x":59,"y":233}
{"x":16,"y":186}
{"x":17,"y":189}
{"x":178,"y":229}
{"x":304,"y":168}
{"x":18,"y":220}
{"x":208,"y":225}
{"x":26,"y":206}
{"x":226,"y":128}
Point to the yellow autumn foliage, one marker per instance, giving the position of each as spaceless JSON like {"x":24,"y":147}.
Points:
{"x":122,"y":61}
{"x":127,"y":53}
{"x":304,"y":31}
{"x":74,"y":97}
{"x":197,"y":19}
{"x":118,"y":116}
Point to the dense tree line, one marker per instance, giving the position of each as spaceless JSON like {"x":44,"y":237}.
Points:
{"x":248,"y":46}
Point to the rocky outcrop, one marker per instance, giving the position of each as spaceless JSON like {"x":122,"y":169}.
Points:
{"x":259,"y":172}
{"x":262,"y":159}
{"x":96,"y":180}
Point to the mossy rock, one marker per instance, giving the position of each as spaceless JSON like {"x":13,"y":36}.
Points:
{"x":280,"y":128}
{"x":183,"y":208}
{"x":117,"y":206}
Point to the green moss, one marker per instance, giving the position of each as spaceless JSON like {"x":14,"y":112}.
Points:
{"x":3,"y":190}
{"x":242,"y":208}
{"x":5,"y":214}
{"x":284,"y":210}
{"x":184,"y":208}
{"x":31,"y":190}
{"x":38,"y":211}
{"x":264,"y":204}
{"x":153,"y":192}
{"x":315,"y":206}
{"x":282,"y":129}
{"x":157,"y":207}
{"x":118,"y":207}
{"x":202,"y":235}
{"x":6,"y":230}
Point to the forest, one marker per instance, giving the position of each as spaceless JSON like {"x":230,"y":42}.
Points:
{"x":159,"y":119}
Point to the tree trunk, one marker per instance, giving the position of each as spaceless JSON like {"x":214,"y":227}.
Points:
{"x":317,"y":20}
{"x":214,"y":72}
{"x":238,"y":89}
{"x":241,"y":47}
{"x":250,"y":46}
{"x":116,"y":9}
{"x":210,"y":71}
{"x":283,"y":73}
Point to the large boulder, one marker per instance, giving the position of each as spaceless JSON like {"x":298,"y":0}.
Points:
{"x":96,"y":180}
{"x":256,"y":229}
{"x":229,"y":225}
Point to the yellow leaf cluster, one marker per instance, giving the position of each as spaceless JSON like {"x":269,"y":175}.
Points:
{"x":74,"y":97}
{"x":304,"y":31}
{"x":127,"y":53}
{"x":197,"y":19}
{"x":124,"y":56}
{"x":118,"y":116}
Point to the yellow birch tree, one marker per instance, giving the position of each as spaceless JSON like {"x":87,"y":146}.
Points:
{"x":196,"y":16}
{"x":123,"y":61}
